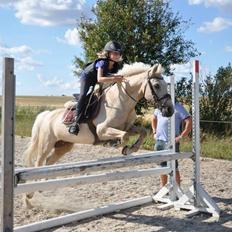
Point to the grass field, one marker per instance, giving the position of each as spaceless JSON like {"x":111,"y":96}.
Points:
{"x":27,"y":107}
{"x":211,"y":145}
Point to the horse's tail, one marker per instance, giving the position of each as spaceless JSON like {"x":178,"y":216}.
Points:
{"x":31,"y":152}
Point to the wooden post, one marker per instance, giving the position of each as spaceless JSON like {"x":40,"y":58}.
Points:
{"x":7,"y":178}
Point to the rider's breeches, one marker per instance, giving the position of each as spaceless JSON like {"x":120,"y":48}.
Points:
{"x":84,"y":88}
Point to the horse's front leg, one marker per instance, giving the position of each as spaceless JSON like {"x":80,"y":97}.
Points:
{"x":135,"y":147}
{"x":109,"y":133}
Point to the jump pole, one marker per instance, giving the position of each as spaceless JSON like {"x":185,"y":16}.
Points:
{"x":62,"y":220}
{"x":51,"y":171}
{"x":196,"y":131}
{"x":7,"y":166}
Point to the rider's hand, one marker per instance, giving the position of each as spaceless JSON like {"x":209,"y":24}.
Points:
{"x":119,"y":78}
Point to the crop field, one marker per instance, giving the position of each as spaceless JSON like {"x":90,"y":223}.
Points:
{"x":52,"y":101}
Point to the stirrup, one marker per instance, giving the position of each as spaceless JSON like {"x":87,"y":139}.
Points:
{"x":74,"y":129}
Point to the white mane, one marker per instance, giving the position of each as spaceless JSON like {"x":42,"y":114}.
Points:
{"x":132,"y":69}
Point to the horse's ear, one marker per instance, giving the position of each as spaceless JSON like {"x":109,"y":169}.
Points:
{"x":156,"y":70}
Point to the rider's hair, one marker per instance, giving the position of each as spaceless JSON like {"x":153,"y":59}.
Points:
{"x":103,"y":54}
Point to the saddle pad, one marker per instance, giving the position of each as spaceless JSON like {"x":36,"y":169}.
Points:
{"x":69,"y":116}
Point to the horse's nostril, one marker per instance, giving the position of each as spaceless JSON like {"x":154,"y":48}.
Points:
{"x":167,"y":112}
{"x":170,"y":111}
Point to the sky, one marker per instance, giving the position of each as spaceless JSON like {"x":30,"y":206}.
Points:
{"x":42,"y":37}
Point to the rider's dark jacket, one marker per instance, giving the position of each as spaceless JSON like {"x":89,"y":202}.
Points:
{"x":88,"y":78}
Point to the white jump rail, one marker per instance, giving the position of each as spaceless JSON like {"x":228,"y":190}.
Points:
{"x":24,"y":174}
{"x":89,"y":179}
{"x":62,"y":220}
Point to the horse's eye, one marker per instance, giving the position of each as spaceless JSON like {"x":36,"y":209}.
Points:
{"x":157,"y":86}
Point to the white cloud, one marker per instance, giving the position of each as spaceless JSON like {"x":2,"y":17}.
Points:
{"x":74,"y":85}
{"x":47,"y":12}
{"x":71,"y":37}
{"x":20,"y":50}
{"x":27,"y":63}
{"x":218,"y":24}
{"x":22,"y":55}
{"x":228,"y":48}
{"x":8,"y":2}
{"x":55,"y":81}
{"x":225,"y":5}
{"x":59,"y":83}
{"x":181,"y":70}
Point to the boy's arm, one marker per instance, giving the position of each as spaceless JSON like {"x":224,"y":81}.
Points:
{"x":154,"y":124}
{"x":187,"y":128}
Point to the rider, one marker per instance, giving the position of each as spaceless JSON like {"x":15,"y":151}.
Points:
{"x":100,"y":71}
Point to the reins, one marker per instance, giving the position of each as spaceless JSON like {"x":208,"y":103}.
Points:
{"x":129,"y":94}
{"x":154,"y":95}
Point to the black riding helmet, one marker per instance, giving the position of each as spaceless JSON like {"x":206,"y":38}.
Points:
{"x":113,"y":46}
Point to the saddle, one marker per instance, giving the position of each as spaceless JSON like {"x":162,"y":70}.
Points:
{"x":92,"y":107}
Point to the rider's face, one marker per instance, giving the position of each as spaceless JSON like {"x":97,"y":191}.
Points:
{"x":115,"y":56}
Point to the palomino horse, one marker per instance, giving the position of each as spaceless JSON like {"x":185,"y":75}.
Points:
{"x":114,"y":120}
{"x":50,"y":138}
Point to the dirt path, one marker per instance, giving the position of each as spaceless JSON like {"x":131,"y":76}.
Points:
{"x":215,"y":177}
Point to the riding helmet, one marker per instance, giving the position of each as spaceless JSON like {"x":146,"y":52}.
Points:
{"x":113,"y":46}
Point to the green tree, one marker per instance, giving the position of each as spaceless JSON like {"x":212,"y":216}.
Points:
{"x":216,"y":100}
{"x":148,"y":30}
{"x":183,"y":90}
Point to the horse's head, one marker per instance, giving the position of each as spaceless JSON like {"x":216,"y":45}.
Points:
{"x":155,"y":91}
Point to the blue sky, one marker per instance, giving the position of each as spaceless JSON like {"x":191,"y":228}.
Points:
{"x":41,"y":36}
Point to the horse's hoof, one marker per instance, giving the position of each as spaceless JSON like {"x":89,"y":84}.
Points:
{"x":126,"y":150}
{"x":115,"y":143}
{"x":29,"y":195}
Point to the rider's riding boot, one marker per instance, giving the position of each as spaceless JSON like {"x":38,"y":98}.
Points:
{"x":75,"y":127}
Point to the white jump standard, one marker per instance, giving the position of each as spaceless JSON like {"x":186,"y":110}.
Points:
{"x":196,"y":199}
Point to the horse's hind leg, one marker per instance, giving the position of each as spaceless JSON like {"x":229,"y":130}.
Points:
{"x":44,"y":151}
{"x":60,"y":148}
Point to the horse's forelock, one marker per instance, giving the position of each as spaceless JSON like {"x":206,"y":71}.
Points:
{"x":133,"y":69}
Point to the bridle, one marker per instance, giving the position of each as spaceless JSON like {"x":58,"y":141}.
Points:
{"x":154,"y":95}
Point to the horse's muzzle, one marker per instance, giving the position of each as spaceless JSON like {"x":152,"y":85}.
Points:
{"x":167,"y":111}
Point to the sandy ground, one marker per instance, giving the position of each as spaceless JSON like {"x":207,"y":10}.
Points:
{"x":215,"y":177}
